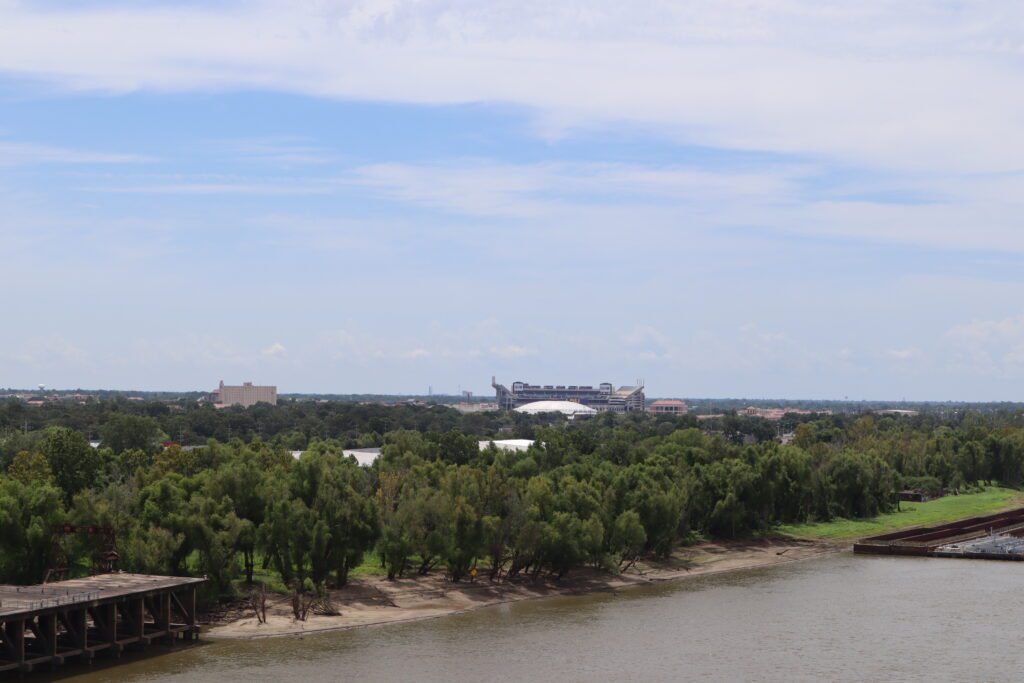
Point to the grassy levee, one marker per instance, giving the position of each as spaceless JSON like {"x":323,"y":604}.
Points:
{"x":946,"y":509}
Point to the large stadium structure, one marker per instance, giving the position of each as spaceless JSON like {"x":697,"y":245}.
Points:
{"x":602,"y":398}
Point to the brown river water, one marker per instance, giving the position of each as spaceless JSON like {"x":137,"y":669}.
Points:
{"x":838,"y":618}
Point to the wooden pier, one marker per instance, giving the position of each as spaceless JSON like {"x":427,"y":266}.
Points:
{"x":45,"y":626}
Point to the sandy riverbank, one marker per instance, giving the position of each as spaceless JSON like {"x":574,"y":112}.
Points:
{"x":371,"y":601}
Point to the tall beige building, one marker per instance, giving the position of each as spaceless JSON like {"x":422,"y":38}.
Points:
{"x":245,"y":395}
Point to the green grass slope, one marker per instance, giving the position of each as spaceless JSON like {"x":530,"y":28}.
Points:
{"x":946,"y":509}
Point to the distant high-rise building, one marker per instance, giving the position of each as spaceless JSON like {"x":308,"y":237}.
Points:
{"x":603,"y":398}
{"x":245,"y":395}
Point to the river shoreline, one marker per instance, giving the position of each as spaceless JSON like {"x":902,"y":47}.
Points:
{"x":374,"y":601}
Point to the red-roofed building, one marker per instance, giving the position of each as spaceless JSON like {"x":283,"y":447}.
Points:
{"x":668,"y":406}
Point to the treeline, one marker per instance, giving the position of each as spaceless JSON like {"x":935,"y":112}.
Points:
{"x":291,"y":424}
{"x":600,"y":493}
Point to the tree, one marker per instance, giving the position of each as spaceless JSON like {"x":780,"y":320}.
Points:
{"x":505,"y":513}
{"x":465,"y":538}
{"x":29,"y":468}
{"x":132,"y":460}
{"x":177,"y":459}
{"x":244,"y":486}
{"x":425,"y":515}
{"x":150,"y":549}
{"x":395,"y":549}
{"x":726,"y":517}
{"x":287,"y":537}
{"x":463,"y":525}
{"x":74,"y":463}
{"x":124,"y":431}
{"x":859,"y":485}
{"x":394,"y":546}
{"x":28,"y":514}
{"x":628,"y":539}
{"x":164,"y":504}
{"x":215,"y":532}
{"x":350,"y":517}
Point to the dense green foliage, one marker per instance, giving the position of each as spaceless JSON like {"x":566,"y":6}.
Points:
{"x":600,"y":492}
{"x":121,"y":423}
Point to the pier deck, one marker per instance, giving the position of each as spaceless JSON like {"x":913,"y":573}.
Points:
{"x":45,"y":625}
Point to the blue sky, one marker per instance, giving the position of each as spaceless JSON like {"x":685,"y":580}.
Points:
{"x":760,"y":199}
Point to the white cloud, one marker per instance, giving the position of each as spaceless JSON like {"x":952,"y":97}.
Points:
{"x":49,"y":350}
{"x":510,"y":351}
{"x":482,"y":341}
{"x":918,"y":84}
{"x":988,"y":331}
{"x":988,"y":347}
{"x":967,"y":212}
{"x":278,"y":151}
{"x":764,"y":338}
{"x":224,"y":186}
{"x":656,"y":200}
{"x":648,"y":343}
{"x":343,"y":346}
{"x":488,"y":188}
{"x":909,"y":353}
{"x":187,"y":350}
{"x":25,"y":154}
{"x":275,"y":349}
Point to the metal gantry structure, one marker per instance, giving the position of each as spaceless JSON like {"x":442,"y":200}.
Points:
{"x":104,"y":556}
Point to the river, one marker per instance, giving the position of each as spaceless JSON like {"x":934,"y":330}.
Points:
{"x":838,"y":618}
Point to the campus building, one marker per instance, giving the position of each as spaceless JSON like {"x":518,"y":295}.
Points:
{"x":245,"y":395}
{"x":778,"y":413}
{"x":668,"y":406}
{"x":602,"y":398}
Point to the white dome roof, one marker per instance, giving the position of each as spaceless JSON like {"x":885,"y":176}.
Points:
{"x":564,"y":407}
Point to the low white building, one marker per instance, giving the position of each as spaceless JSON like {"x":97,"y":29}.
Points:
{"x":507,"y":444}
{"x":569,"y":408}
{"x":364,"y":456}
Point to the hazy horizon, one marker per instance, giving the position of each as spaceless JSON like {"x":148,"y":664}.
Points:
{"x":745,"y":199}
{"x":483,"y":396}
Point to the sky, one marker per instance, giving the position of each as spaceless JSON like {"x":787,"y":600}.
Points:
{"x":763,"y":199}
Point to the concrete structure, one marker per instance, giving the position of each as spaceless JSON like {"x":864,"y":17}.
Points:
{"x":603,"y":398}
{"x":467,"y":408}
{"x":48,"y":625}
{"x":778,"y":413}
{"x":507,"y":444}
{"x":568,"y":408}
{"x":763,"y":413}
{"x":245,"y":395}
{"x":364,"y":456}
{"x":668,"y":406}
